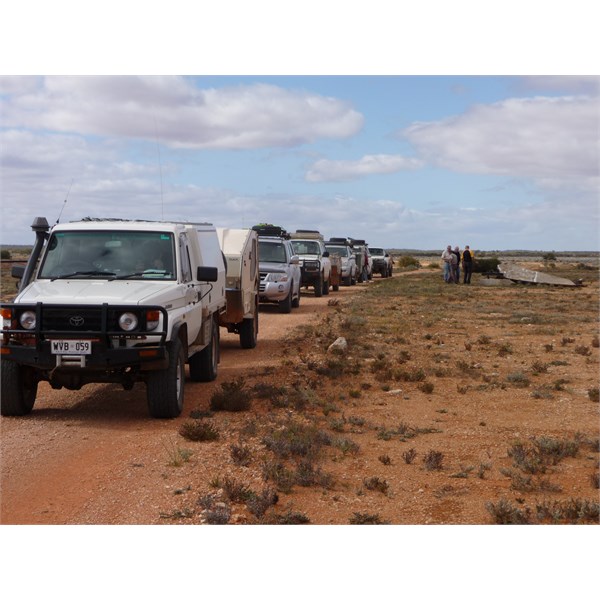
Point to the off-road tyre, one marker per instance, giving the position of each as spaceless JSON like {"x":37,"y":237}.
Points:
{"x":319,"y":286}
{"x":204,"y":365}
{"x":165,"y":388}
{"x":296,"y":300}
{"x":336,"y":287}
{"x":249,"y":331}
{"x":347,"y":280}
{"x":285,"y":306}
{"x":18,"y":389}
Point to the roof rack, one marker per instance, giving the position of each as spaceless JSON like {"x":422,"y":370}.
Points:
{"x":270,"y":230}
{"x":306,"y":234}
{"x":119,"y":220}
{"x":340,"y":240}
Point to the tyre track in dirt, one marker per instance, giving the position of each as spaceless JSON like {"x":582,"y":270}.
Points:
{"x":94,"y":455}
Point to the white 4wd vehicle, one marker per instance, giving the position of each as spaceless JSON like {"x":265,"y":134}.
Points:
{"x":382,"y":261}
{"x":342,"y":247}
{"x":314,"y":260}
{"x":279,"y":268}
{"x":114,"y":301}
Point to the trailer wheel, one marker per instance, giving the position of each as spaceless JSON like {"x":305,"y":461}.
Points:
{"x":164,"y":388}
{"x":18,"y":389}
{"x":204,"y":364}
{"x":249,"y":331}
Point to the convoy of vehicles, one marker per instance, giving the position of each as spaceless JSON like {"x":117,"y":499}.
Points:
{"x":121,"y":301}
{"x":314,"y":260}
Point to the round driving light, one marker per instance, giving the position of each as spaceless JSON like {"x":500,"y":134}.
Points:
{"x":128,"y":321}
{"x":27,"y":319}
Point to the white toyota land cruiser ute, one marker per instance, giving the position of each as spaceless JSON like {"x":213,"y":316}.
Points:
{"x":114,"y":301}
{"x":314,"y":260}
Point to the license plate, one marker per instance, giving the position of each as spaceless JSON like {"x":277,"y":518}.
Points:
{"x":71,"y":346}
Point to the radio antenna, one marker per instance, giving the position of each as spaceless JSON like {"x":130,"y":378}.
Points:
{"x":162,"y":205}
{"x":64,"y":203}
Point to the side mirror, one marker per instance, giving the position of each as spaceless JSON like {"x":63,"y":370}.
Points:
{"x":18,"y":271}
{"x":295,"y":260}
{"x":207,"y":274}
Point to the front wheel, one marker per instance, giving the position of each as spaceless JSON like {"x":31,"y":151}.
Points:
{"x":18,"y":389}
{"x":285,"y":306}
{"x":319,"y":286}
{"x":164,"y":389}
{"x":204,"y":364}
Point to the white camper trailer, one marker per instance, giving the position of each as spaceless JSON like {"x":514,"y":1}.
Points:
{"x":240,"y":249}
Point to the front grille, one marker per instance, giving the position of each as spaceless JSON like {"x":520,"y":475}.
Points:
{"x":72,"y":319}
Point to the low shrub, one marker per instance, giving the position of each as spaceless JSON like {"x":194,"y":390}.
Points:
{"x":504,"y":513}
{"x":375,"y":484}
{"x":360,"y":518}
{"x":233,"y":396}
{"x":198,"y":431}
{"x":433,"y":460}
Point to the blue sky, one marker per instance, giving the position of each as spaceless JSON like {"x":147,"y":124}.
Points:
{"x":404,"y":161}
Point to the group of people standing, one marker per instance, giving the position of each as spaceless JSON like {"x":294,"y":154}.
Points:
{"x":453,"y":259}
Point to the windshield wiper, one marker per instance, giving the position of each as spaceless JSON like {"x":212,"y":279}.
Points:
{"x":106,"y":274}
{"x":146,"y":272}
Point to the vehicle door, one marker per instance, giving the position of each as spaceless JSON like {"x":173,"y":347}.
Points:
{"x":294,"y":269}
{"x":192,"y":289}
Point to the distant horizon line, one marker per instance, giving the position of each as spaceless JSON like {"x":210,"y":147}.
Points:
{"x":435,"y":251}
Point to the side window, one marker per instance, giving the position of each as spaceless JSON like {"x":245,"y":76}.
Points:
{"x":186,"y":268}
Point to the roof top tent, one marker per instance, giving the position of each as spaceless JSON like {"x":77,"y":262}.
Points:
{"x":240,"y":249}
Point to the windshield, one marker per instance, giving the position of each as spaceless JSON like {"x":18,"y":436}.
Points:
{"x":337,"y":250}
{"x":109,"y":254}
{"x":376,"y":251}
{"x":271,"y":252}
{"x":304,"y":247}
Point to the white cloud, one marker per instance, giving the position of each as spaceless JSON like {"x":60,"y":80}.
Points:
{"x":177,"y":113}
{"x":372,"y":164}
{"x":574,"y":84}
{"x":551,"y":140}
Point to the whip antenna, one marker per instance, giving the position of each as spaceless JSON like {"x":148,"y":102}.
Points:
{"x":64,"y":203}
{"x":162,"y":206}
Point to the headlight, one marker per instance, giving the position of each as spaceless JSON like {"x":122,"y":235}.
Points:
{"x":27,"y":319}
{"x":128,"y":321}
{"x":277,"y":277}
